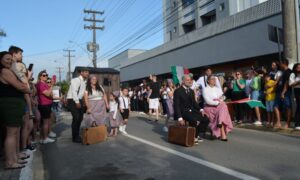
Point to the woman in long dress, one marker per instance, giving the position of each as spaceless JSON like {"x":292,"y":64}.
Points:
{"x":216,"y":109}
{"x":96,"y":102}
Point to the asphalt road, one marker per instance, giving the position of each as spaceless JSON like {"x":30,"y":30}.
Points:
{"x":146,"y":154}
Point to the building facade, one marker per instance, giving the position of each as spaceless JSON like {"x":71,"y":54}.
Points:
{"x":234,"y":41}
{"x":116,"y":61}
{"x":184,"y":16}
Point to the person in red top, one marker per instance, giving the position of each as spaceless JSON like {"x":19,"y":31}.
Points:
{"x":44,"y":92}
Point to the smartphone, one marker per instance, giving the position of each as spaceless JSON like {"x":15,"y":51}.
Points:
{"x":30,"y":67}
{"x":54,"y":79}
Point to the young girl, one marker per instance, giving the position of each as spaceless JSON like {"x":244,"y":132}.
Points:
{"x":114,"y":114}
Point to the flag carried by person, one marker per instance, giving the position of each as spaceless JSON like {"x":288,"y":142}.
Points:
{"x":178,"y":72}
{"x":251,"y":103}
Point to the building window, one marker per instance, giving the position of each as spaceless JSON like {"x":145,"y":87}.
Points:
{"x":170,"y":33}
{"x":174,"y":4}
{"x":208,"y":18}
{"x":106,"y":82}
{"x":174,"y":30}
{"x":189,"y":27}
{"x":222,"y":7}
{"x":186,"y":3}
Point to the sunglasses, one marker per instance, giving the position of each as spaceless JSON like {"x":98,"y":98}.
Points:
{"x":48,"y":82}
{"x":238,"y":74}
{"x":44,"y":75}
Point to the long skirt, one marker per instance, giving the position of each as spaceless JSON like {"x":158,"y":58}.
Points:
{"x":98,"y":113}
{"x":115,"y":122}
{"x":170,"y":108}
{"x":219,"y":115}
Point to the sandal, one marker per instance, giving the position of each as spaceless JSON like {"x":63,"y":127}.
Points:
{"x":20,"y":161}
{"x":15,"y":166}
{"x":23,"y":156}
{"x":31,"y":116}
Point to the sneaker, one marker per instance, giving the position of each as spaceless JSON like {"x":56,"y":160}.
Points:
{"x":297,"y":128}
{"x":31,"y":148}
{"x":196,"y":141}
{"x":165,"y":129}
{"x":124,"y":132}
{"x":52,"y":134}
{"x":257,"y":123}
{"x":47,"y":140}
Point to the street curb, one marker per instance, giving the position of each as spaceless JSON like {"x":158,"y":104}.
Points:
{"x":38,"y":165}
{"x":288,"y":132}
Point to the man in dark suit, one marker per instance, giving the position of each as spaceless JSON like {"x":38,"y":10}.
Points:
{"x":186,"y":108}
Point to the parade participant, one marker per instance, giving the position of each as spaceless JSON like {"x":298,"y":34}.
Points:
{"x":187,"y":109}
{"x":114,"y":113}
{"x":124,"y":105}
{"x":75,"y":102}
{"x":216,"y":109}
{"x":96,"y":102}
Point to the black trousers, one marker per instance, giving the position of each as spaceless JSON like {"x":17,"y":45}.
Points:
{"x":77,"y":116}
{"x":193,"y":118}
{"x":297,"y":115}
{"x":239,"y":109}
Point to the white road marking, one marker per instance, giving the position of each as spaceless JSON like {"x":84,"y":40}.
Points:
{"x":26,"y":172}
{"x":196,"y":160}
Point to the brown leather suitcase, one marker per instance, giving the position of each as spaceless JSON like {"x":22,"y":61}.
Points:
{"x":94,"y":135}
{"x":182,"y":135}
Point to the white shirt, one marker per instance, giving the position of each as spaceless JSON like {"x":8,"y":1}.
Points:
{"x":56,"y":93}
{"x":293,"y":79}
{"x":113,"y":107}
{"x":96,"y":95}
{"x":195,"y":85}
{"x":202,"y":82}
{"x":212,"y":93}
{"x":77,"y":88}
{"x":124,"y":102}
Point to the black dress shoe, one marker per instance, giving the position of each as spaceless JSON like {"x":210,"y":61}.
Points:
{"x":225,"y":140}
{"x":77,"y":140}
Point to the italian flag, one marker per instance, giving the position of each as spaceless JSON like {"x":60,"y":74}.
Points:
{"x":251,"y":103}
{"x":178,"y":72}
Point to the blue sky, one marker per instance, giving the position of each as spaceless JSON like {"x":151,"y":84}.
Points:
{"x":44,"y":28}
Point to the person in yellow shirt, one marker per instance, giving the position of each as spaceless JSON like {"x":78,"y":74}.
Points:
{"x":270,"y":98}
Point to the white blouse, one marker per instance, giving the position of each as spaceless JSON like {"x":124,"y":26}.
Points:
{"x":293,"y":79}
{"x":96,"y":95}
{"x":212,"y":93}
{"x":113,"y":107}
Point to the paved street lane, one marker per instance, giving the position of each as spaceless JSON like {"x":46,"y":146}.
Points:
{"x":147,"y":155}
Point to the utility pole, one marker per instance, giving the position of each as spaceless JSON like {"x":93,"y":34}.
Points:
{"x":59,"y":73}
{"x":93,"y":46}
{"x":290,"y":30}
{"x":69,"y":64}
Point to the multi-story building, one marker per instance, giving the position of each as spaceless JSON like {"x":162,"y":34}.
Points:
{"x":228,"y":35}
{"x":184,"y":16}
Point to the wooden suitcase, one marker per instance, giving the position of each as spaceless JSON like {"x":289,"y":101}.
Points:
{"x":182,"y":135}
{"x":94,"y":135}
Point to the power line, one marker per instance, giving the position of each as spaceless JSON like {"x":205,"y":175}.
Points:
{"x":139,"y":36}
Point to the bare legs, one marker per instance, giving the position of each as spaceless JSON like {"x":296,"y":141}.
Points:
{"x":11,"y":141}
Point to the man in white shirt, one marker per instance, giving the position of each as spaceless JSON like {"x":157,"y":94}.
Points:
{"x":75,"y":102}
{"x":202,"y":81}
